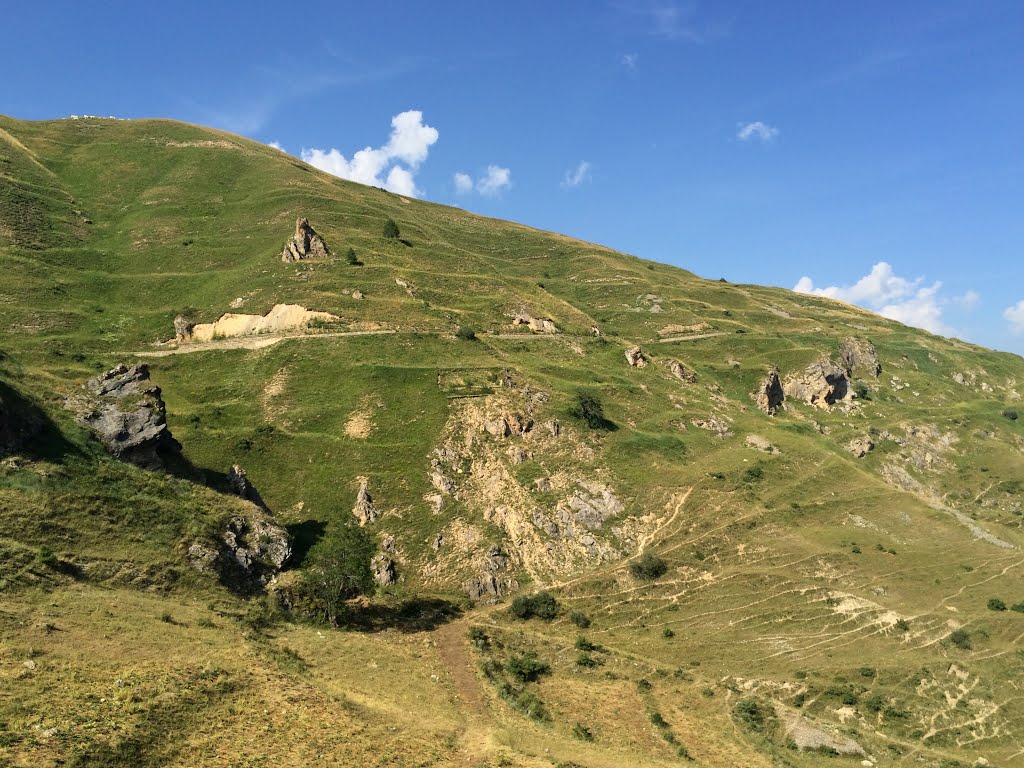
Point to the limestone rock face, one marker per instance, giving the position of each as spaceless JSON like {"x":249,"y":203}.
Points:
{"x":856,"y":353}
{"x":822,"y":384}
{"x":364,"y":510}
{"x":681,"y":372}
{"x":860,"y":446}
{"x":491,"y":583}
{"x":539,"y":324}
{"x":769,"y":395}
{"x":246,"y":554}
{"x":305,"y":244}
{"x":129,"y":416}
{"x":384,"y":572}
{"x":183,"y":329}
{"x":636,"y":357}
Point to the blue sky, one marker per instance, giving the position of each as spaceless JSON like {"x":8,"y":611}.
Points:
{"x":873,"y":151}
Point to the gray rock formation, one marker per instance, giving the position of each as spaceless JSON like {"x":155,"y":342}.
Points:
{"x":540,"y":324}
{"x":636,"y":357}
{"x":769,"y":395}
{"x":129,"y":416}
{"x":384,"y":571}
{"x":680,"y":371}
{"x":858,"y":354}
{"x":442,"y":483}
{"x":183,"y":329}
{"x":364,"y":510}
{"x":860,"y":446}
{"x":822,"y":384}
{"x":305,"y":244}
{"x":246,"y":554}
{"x":762,"y":444}
{"x":492,"y":581}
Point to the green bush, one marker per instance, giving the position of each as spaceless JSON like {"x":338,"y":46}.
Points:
{"x":874,"y":703}
{"x":587,"y":407}
{"x":648,"y":567}
{"x":658,"y":721}
{"x":668,"y":633}
{"x":1018,"y":607}
{"x":351,"y":258}
{"x":584,"y":659}
{"x":542,"y":605}
{"x":754,"y":715}
{"x":961,"y":639}
{"x":581,"y":620}
{"x":1011,"y":414}
{"x":753,"y":474}
{"x":867,"y":671}
{"x":391,"y":231}
{"x":582,"y":644}
{"x":530,"y":705}
{"x":527,"y":668}
{"x":995,"y":604}
{"x":902,"y":625}
{"x":337,"y":569}
{"x":465,"y":333}
{"x":581,"y":732}
{"x":478,"y":638}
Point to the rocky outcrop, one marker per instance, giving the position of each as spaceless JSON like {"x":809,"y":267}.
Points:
{"x":246,"y":554}
{"x":128,"y":415}
{"x":305,"y":244}
{"x":822,"y":384}
{"x":540,"y":324}
{"x":636,"y":357}
{"x":806,"y":736}
{"x":769,"y":395}
{"x":858,"y":354}
{"x":492,"y":581}
{"x":283,"y":317}
{"x":240,"y":485}
{"x":183,"y":329}
{"x":680,"y":371}
{"x":860,"y":446}
{"x":762,"y":444}
{"x":364,"y":510}
{"x":384,"y":570}
{"x":508,"y":425}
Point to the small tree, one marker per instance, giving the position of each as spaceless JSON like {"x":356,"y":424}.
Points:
{"x":465,"y":333}
{"x":587,"y":408}
{"x":350,"y":257}
{"x":391,"y":231}
{"x":648,"y":567}
{"x":338,"y":570}
{"x":995,"y":604}
{"x":961,"y":639}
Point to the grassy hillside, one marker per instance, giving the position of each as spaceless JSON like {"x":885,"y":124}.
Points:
{"x":806,"y":590}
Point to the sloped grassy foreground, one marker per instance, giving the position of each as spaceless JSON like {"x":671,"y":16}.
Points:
{"x":599,"y":511}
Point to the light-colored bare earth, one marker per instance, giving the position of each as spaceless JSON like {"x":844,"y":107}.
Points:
{"x":283,"y":317}
{"x":251,"y":342}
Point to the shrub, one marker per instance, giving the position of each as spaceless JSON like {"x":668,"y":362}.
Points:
{"x":1011,"y":414}
{"x":478,"y":637}
{"x":391,"y":231}
{"x":465,"y":333}
{"x":668,"y":633}
{"x":902,"y":625}
{"x":753,"y":474}
{"x":581,"y":732}
{"x":582,"y":644}
{"x":995,"y":604}
{"x":587,"y":407}
{"x":707,"y":692}
{"x":527,"y":668}
{"x":530,"y":705}
{"x":540,"y":606}
{"x":961,"y":639}
{"x":338,"y":569}
{"x":874,"y":703}
{"x":648,"y":567}
{"x":752,"y":714}
{"x":1018,"y":607}
{"x":166,"y":618}
{"x":867,"y":671}
{"x":643,"y":684}
{"x":584,"y":659}
{"x":581,"y":620}
{"x":658,"y":721}
{"x":351,"y":258}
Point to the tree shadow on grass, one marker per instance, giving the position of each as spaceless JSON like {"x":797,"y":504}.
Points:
{"x":304,"y":536}
{"x":416,"y":614}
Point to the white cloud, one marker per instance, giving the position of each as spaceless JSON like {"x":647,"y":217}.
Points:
{"x":463,"y":183}
{"x":1015,"y":317}
{"x":894,"y":297}
{"x":494,"y":180}
{"x":629,"y":60}
{"x":757,"y":130}
{"x":276,"y":145}
{"x":578,"y":175}
{"x":968,"y":301}
{"x":409,"y":143}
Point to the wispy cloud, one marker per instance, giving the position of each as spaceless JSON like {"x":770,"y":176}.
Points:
{"x":757,"y":130}
{"x":1015,"y":317}
{"x":276,"y":145}
{"x":494,"y":180}
{"x":577,"y":175}
{"x":672,"y":20}
{"x":897,"y":298}
{"x":392,"y":166}
{"x":629,"y":60}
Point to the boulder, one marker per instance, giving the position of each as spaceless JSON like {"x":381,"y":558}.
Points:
{"x":304,"y":244}
{"x":247,"y":553}
{"x":860,"y":446}
{"x":129,"y":416}
{"x":183,"y":328}
{"x":769,"y":395}
{"x":364,"y":510}
{"x":383,"y":568}
{"x":554,"y":427}
{"x":442,"y":483}
{"x":856,"y":353}
{"x":680,"y":371}
{"x":636,"y":357}
{"x":822,"y":384}
{"x":539,"y":324}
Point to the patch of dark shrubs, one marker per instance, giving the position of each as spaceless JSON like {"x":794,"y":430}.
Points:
{"x":542,"y":605}
{"x":648,"y":567}
{"x":580,"y":619}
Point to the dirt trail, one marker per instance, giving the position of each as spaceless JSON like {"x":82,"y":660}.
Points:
{"x":250,"y":342}
{"x":454,"y":651}
{"x":691,"y":337}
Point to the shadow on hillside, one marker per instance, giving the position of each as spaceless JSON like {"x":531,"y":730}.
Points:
{"x":25,"y":429}
{"x":304,"y":536}
{"x":417,"y":614}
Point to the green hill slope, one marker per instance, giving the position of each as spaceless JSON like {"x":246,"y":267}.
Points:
{"x":833,"y":572}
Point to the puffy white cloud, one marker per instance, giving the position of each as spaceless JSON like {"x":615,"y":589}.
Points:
{"x":409,"y":144}
{"x":968,"y":301}
{"x":1015,"y":316}
{"x":463,"y":183}
{"x":578,"y":175}
{"x":492,"y":182}
{"x":276,"y":145}
{"x":892,"y":296}
{"x":757,"y":130}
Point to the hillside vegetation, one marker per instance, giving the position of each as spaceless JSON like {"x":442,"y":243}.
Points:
{"x":602,"y":531}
